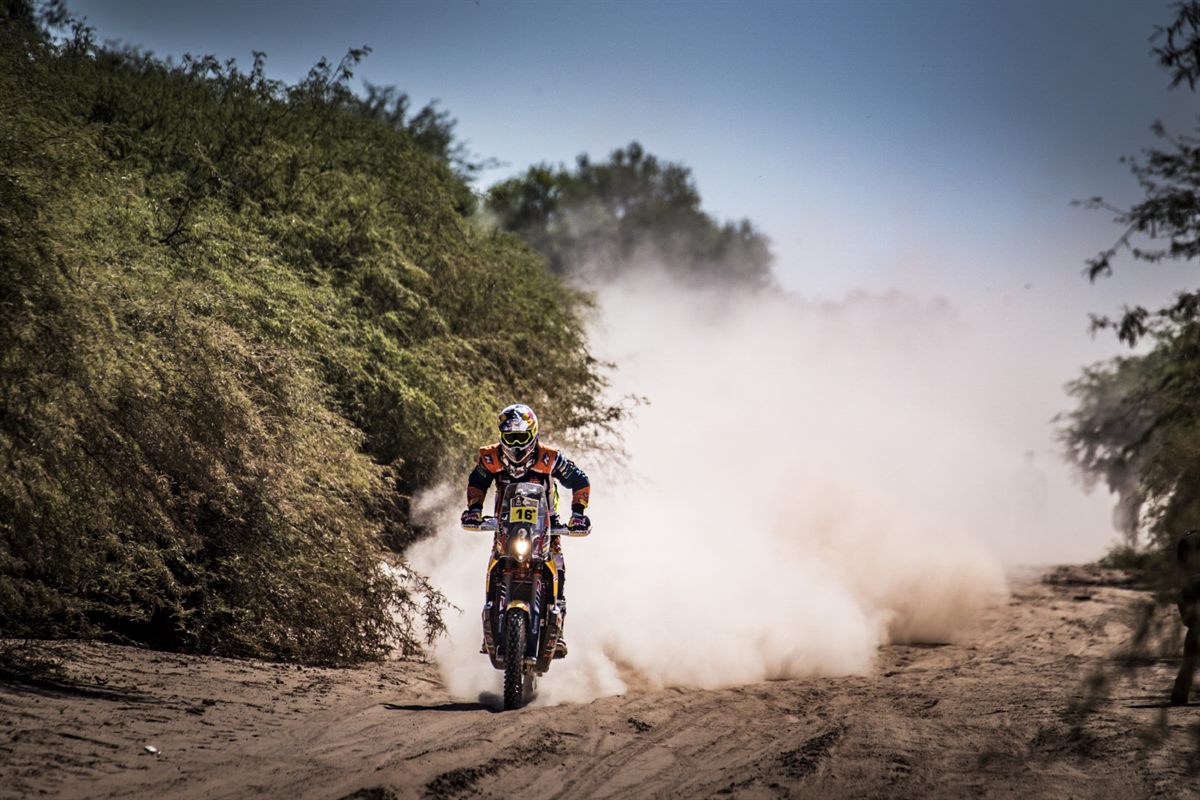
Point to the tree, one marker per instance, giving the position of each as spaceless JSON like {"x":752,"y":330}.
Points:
{"x":1165,"y":225}
{"x":628,"y":212}
{"x":1136,"y":426}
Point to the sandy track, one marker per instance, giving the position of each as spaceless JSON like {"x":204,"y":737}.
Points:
{"x":986,"y":716}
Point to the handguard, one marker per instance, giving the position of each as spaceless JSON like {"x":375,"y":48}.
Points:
{"x":491,"y":525}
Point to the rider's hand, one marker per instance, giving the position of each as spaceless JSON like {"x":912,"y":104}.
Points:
{"x":579,"y":523}
{"x":472,"y":517}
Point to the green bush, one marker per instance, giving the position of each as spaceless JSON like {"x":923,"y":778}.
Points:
{"x":241,"y":323}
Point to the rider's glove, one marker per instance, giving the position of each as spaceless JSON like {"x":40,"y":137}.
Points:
{"x":579,"y":523}
{"x":472,"y":517}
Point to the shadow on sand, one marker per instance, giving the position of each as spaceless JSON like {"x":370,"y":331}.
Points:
{"x":481,"y":706}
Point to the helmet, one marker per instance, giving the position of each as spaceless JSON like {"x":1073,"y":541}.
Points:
{"x":518,"y":437}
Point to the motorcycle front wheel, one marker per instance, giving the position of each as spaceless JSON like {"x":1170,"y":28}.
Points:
{"x":515,"y":632}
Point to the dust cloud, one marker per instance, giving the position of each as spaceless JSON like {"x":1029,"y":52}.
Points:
{"x":808,"y":481}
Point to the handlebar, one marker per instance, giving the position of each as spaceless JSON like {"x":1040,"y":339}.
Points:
{"x":491,"y":525}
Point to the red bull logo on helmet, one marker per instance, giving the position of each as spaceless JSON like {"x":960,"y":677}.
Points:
{"x":518,"y":417}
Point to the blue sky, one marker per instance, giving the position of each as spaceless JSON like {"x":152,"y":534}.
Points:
{"x":930,"y":146}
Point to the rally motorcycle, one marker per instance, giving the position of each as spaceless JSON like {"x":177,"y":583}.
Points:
{"x":522,"y":614}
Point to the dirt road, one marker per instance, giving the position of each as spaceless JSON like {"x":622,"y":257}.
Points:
{"x":984,"y":717}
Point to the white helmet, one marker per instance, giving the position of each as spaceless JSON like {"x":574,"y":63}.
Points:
{"x":518,"y":438}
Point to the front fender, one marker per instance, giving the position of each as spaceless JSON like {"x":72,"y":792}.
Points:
{"x":521,"y":604}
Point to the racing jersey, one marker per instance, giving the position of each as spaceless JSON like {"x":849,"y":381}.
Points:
{"x":548,"y":464}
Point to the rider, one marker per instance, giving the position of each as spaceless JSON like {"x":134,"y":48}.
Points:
{"x":519,"y":456}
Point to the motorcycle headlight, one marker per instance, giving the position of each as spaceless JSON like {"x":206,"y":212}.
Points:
{"x":521,"y":547}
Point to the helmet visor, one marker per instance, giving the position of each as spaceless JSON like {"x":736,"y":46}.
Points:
{"x":516,"y":438}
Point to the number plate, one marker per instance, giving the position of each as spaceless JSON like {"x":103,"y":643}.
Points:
{"x":523,"y":514}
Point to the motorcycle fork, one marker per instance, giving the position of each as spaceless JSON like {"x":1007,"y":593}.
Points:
{"x":535,"y":617}
{"x":554,"y":615}
{"x":502,"y":595}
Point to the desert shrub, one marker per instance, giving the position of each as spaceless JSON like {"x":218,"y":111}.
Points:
{"x":241,"y":323}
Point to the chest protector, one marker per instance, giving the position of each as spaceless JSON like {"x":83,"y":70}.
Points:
{"x":541,"y":471}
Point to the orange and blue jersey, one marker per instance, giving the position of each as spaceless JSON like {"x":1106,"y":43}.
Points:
{"x":548,"y":464}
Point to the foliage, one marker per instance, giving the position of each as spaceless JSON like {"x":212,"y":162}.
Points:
{"x":1136,"y":425}
{"x":1165,"y":225}
{"x":1135,"y":560}
{"x":1137,"y":428}
{"x":28,"y":661}
{"x":241,"y":323}
{"x":624,"y":213}
{"x":430,"y":128}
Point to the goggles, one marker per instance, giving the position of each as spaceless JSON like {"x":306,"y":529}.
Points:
{"x":516,"y":438}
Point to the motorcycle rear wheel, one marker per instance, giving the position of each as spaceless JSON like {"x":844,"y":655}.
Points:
{"x":514,"y":660}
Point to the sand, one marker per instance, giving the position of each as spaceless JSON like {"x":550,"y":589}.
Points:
{"x":986,"y":716}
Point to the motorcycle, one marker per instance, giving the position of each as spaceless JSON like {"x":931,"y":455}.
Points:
{"x":522,"y":612}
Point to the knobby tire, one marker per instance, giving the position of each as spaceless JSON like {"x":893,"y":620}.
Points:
{"x":514,"y":660}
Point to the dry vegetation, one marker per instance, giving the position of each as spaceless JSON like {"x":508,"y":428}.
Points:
{"x":241,"y":323}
